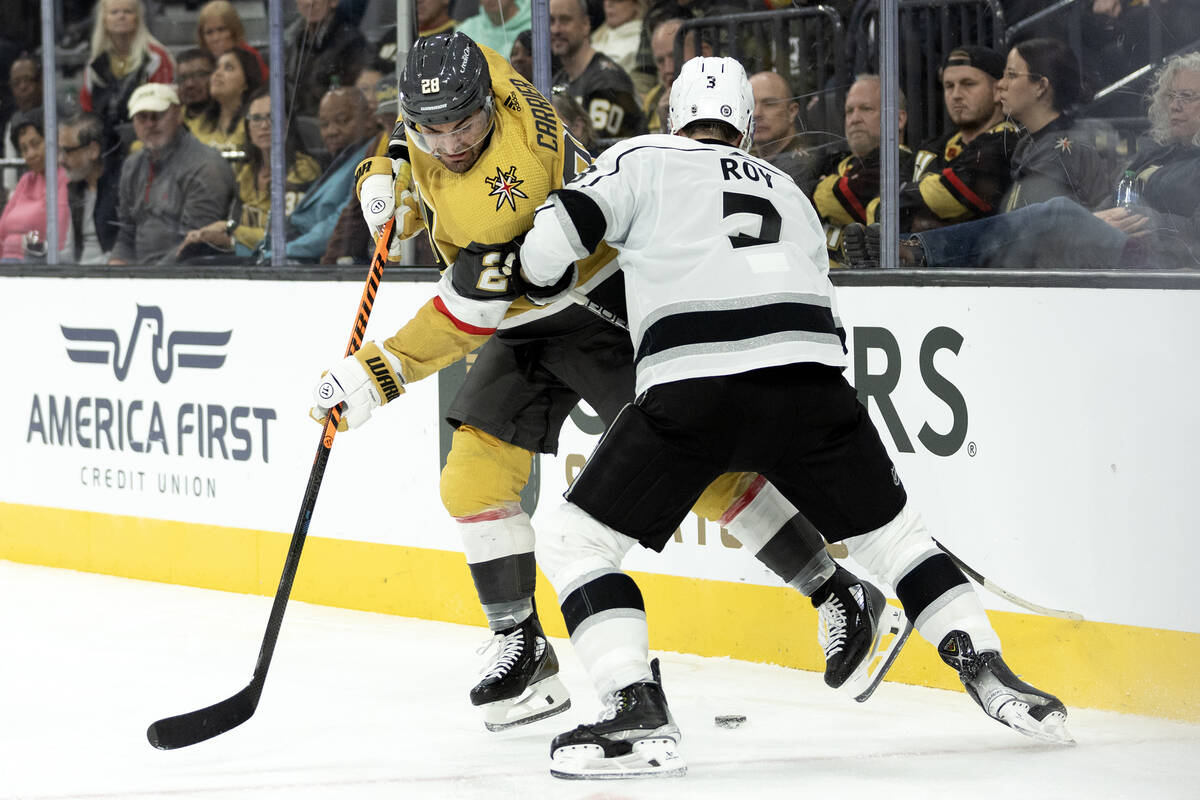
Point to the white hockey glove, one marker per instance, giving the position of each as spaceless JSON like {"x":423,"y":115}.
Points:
{"x":384,"y":189}
{"x":363,"y":382}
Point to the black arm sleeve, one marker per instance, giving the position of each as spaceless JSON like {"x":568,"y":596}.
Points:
{"x":585,"y":214}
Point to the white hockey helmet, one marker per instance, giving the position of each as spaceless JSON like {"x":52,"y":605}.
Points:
{"x":713,"y":88}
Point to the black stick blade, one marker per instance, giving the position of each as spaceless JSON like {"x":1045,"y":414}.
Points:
{"x":197,"y":726}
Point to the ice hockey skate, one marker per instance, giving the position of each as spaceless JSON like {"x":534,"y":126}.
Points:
{"x":520,"y":685}
{"x":1002,"y":695}
{"x":634,"y":738}
{"x":860,"y":633}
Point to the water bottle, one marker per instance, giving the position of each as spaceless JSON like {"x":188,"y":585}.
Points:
{"x":34,"y":246}
{"x":1127,"y":190}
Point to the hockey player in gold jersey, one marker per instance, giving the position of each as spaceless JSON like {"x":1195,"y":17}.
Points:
{"x":477,"y":152}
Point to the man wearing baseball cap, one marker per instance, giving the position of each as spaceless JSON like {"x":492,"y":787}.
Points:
{"x":172,"y":185}
{"x":964,"y":174}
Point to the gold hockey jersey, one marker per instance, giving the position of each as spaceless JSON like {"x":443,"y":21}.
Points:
{"x":528,"y":155}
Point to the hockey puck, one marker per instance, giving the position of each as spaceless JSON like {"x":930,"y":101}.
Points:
{"x":730,"y":720}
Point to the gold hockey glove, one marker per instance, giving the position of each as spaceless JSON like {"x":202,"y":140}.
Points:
{"x":384,"y":189}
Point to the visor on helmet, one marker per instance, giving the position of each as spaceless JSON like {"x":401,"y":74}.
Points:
{"x":465,"y":135}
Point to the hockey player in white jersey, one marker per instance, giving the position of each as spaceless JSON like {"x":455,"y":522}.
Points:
{"x":739,"y":361}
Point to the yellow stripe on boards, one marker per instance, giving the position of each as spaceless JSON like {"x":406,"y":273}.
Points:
{"x":1087,"y":664}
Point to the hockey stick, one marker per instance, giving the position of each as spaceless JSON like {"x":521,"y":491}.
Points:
{"x":994,"y":588}
{"x":197,"y":726}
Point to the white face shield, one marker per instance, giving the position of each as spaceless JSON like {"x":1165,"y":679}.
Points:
{"x":459,"y":137}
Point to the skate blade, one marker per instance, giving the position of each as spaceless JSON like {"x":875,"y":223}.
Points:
{"x":650,"y":758}
{"x":1051,"y":729}
{"x":891,"y":634}
{"x":540,"y":700}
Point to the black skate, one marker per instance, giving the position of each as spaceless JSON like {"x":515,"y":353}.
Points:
{"x":521,"y":683}
{"x":634,"y":738}
{"x":1002,"y":695}
{"x":860,"y":633}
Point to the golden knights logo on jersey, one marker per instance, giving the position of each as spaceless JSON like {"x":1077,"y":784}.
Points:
{"x":504,"y":187}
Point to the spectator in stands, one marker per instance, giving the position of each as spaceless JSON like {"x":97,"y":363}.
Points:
{"x":1160,"y":231}
{"x":498,"y":23}
{"x":25,"y":83}
{"x":848,"y":190}
{"x":663,"y":10}
{"x":619,"y":36}
{"x":343,"y":117}
{"x":521,"y":57}
{"x":230,"y":86}
{"x":574,"y":118}
{"x":23,"y":221}
{"x":124,"y":56}
{"x":775,"y":136}
{"x":662,"y":43}
{"x":965,"y":173}
{"x":322,"y":52}
{"x":601,"y":87}
{"x":93,"y":184}
{"x":1118,"y":36}
{"x":172,"y":185}
{"x":1041,"y":84}
{"x":195,"y":68}
{"x":248,"y":222}
{"x":350,"y":242}
{"x":433,"y":16}
{"x":219,"y":29}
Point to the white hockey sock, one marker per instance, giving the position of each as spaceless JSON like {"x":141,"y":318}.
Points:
{"x":498,"y":544}
{"x":902,"y":548}
{"x":764,"y":521}
{"x":601,"y":605}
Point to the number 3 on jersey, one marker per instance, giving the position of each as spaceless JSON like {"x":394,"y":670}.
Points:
{"x":769,"y":225}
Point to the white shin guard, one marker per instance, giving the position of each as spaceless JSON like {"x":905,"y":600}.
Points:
{"x":574,"y":549}
{"x":572,"y":545}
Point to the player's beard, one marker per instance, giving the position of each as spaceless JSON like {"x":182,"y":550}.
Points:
{"x":462,"y":162}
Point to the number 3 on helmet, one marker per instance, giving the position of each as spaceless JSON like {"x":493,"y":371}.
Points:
{"x":710,"y":88}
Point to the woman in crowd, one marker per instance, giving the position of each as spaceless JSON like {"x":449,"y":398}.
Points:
{"x":1041,"y":85}
{"x":247,"y":225}
{"x":219,"y":29}
{"x":234,"y":80}
{"x":124,"y":56}
{"x":24,"y":218}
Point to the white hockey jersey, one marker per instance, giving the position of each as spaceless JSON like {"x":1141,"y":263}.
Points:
{"x":724,"y":258}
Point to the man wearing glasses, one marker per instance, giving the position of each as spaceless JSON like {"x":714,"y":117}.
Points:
{"x":92,"y":184}
{"x":195,"y":68}
{"x":174,"y":184}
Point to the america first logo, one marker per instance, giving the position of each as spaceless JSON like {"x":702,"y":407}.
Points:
{"x":182,"y":349}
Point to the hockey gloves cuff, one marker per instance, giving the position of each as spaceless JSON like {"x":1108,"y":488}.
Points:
{"x":504,"y":262}
{"x":383,"y":187}
{"x":362,"y":382}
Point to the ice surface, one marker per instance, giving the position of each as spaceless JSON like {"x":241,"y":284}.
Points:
{"x":364,"y":705}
